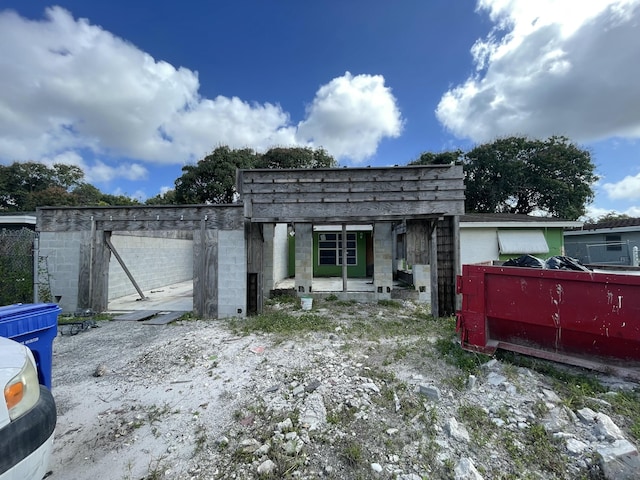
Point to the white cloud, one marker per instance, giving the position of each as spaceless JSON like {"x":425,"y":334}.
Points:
{"x":351,"y":115}
{"x":70,"y":89}
{"x":551,"y":67}
{"x":626,"y":189}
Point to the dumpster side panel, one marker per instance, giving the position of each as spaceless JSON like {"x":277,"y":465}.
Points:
{"x":568,"y":312}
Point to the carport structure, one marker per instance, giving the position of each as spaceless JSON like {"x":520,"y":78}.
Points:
{"x":424,"y":201}
{"x":233,"y":245}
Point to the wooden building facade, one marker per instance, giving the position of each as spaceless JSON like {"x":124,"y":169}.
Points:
{"x":233,"y":244}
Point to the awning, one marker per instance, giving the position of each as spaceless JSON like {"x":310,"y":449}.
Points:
{"x":522,"y":241}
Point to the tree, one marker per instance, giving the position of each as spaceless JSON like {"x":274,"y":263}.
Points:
{"x":213,"y":179}
{"x":296,"y":157}
{"x":25,"y":186}
{"x":520,"y":175}
{"x":166,"y":198}
{"x":441,"y":158}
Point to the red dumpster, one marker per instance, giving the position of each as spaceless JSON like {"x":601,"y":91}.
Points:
{"x":581,"y":318}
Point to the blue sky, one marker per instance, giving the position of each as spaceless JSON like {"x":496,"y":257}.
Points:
{"x":132,"y":91}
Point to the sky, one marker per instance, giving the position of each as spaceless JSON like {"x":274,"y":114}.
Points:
{"x":131,"y":91}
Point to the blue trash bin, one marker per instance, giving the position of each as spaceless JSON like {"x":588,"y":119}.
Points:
{"x":34,"y":325}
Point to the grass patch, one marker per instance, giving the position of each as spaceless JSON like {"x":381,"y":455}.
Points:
{"x":390,"y":303}
{"x":453,"y":354}
{"x":352,"y":453}
{"x":281,"y":322}
{"x":627,"y":404}
{"x":477,"y":422}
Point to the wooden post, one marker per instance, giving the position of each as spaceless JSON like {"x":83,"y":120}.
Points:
{"x":344,"y":258}
{"x":433,"y":254}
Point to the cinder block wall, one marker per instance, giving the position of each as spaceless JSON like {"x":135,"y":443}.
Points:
{"x":60,"y":254}
{"x":232,"y":274}
{"x":153,"y":261}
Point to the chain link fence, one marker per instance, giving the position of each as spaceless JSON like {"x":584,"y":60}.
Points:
{"x":17,"y":268}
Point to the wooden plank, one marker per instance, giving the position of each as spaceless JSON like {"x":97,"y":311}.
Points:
{"x":100,"y":273}
{"x":136,"y":316}
{"x":357,"y":197}
{"x":411,"y":185}
{"x":348,"y":212}
{"x":84,"y":271}
{"x":139,"y":218}
{"x":327,"y":175}
{"x":164,"y":318}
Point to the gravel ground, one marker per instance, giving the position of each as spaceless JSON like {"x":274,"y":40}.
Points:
{"x":199,"y":400}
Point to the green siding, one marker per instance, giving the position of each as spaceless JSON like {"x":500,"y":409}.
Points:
{"x":354,"y":271}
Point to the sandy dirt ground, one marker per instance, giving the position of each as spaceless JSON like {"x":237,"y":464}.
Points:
{"x":152,"y":384}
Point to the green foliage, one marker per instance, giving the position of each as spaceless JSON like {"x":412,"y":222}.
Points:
{"x":453,"y":354}
{"x":284,"y":323}
{"x":627,"y":404}
{"x":213,"y":179}
{"x":520,"y":175}
{"x":296,"y":157}
{"x":441,"y":158}
{"x":166,"y":198}
{"x":26,"y":186}
{"x":16,"y":266}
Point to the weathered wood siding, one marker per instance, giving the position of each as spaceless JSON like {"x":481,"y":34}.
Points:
{"x":140,"y":218}
{"x":448,"y":264}
{"x":351,"y":194}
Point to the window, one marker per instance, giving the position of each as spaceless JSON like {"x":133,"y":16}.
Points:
{"x":522,"y":241}
{"x":614,"y":243}
{"x":330,"y":249}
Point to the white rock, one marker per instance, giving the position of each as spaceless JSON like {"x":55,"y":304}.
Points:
{"x":495,"y":379}
{"x":376,"y":467}
{"x":607,"y":428}
{"x":267,"y":467}
{"x":457,"y":431}
{"x":587,"y":415}
{"x":466,"y":470}
{"x":551,"y":396}
{"x":575,"y":446}
{"x":619,"y":460}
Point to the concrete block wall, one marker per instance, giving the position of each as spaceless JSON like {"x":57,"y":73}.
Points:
{"x":304,"y":258}
{"x":232,"y":274}
{"x":153,"y":261}
{"x":61,"y":252}
{"x":422,"y":282}
{"x":383,"y":259}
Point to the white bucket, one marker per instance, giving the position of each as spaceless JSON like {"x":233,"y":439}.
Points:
{"x":306,"y":303}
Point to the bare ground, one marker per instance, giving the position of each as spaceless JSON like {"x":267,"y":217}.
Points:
{"x":199,"y":400}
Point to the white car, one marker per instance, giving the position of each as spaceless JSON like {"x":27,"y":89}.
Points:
{"x":27,"y":415}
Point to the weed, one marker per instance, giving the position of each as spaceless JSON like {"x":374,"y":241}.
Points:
{"x":281,"y":322}
{"x":390,"y":303}
{"x":201,"y":438}
{"x":453,"y":354}
{"x":478,"y":422}
{"x":352,"y":453}
{"x":627,"y":404}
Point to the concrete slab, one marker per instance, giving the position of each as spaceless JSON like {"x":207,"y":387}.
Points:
{"x":171,"y":298}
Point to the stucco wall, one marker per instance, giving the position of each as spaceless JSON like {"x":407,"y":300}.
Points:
{"x":153,"y":262}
